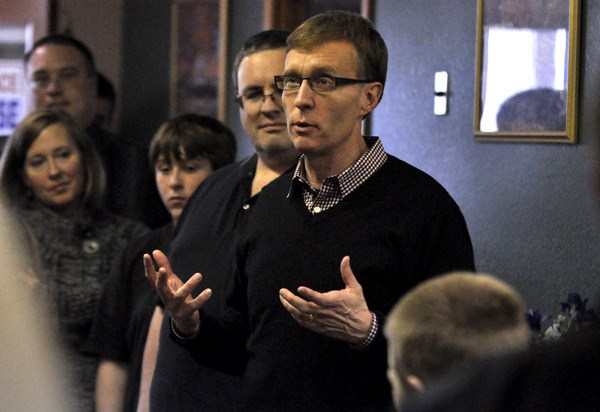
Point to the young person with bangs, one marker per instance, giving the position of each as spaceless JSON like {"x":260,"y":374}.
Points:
{"x":184,"y":151}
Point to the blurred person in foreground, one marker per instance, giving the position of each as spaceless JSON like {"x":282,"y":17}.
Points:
{"x":447,"y":321}
{"x":551,"y":376}
{"x":32,"y":375}
{"x":52,"y":180}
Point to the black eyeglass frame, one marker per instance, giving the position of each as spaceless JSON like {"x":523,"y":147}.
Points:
{"x":240,"y":98}
{"x":339,"y":81}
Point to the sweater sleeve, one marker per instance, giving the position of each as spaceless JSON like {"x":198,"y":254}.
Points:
{"x":108,"y":334}
{"x":221,"y":341}
{"x":447,"y":244}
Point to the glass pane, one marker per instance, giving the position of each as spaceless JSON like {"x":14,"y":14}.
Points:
{"x":525,"y":66}
{"x":13,"y":41}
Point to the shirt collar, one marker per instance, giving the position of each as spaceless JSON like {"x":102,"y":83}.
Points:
{"x":350,"y":178}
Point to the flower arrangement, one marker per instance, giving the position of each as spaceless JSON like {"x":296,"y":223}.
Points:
{"x":574,"y":316}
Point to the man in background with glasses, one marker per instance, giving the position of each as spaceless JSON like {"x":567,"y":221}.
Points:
{"x":209,"y":225}
{"x":330,"y":246}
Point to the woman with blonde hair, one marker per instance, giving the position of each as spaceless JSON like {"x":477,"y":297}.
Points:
{"x":52,"y":179}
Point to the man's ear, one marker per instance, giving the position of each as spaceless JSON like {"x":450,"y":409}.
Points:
{"x":415,"y":382}
{"x":372,"y":93}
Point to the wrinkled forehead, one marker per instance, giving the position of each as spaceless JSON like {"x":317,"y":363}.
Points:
{"x":332,"y":57}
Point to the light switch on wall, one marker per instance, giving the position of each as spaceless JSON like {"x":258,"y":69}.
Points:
{"x":440,"y":98}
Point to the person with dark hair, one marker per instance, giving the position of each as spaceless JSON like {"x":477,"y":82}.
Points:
{"x":52,"y":178}
{"x":307,"y":321}
{"x":215,"y":214}
{"x":539,"y":110}
{"x":61,"y":76}
{"x":447,"y":321}
{"x":106,"y":100}
{"x":184,"y":151}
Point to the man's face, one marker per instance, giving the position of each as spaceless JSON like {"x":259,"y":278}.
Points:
{"x":263,"y":120}
{"x":59,"y":80}
{"x":324,"y":123}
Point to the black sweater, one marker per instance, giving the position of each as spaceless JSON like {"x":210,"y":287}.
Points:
{"x":399,"y":228}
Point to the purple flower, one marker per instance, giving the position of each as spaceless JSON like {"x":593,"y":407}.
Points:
{"x":574,"y":316}
{"x":573,"y":302}
{"x":577,"y":309}
{"x":534,"y":317}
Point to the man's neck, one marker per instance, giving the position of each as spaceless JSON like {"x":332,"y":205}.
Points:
{"x":268,"y":168}
{"x":319,"y":167}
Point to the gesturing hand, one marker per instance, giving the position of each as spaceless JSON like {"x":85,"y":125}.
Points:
{"x":176,"y":295}
{"x":340,"y":314}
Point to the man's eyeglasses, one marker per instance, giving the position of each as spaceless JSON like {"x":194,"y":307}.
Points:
{"x":64,"y":77}
{"x":253,"y":100}
{"x":317,"y":83}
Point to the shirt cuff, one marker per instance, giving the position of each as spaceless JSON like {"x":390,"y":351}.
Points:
{"x":372,"y":333}
{"x":178,"y":333}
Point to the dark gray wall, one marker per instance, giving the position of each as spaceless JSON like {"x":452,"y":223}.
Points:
{"x":531,"y":208}
{"x":145,"y":78}
{"x":246,"y":19}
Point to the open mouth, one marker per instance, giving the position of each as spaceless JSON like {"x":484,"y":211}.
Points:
{"x":302,"y":127}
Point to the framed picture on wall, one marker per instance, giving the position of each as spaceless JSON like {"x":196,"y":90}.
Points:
{"x":199,"y":57}
{"x":527,"y":71}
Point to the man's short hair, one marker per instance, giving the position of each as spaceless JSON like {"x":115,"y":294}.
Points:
{"x":264,"y":40}
{"x":68,"y":41}
{"x":453,"y":318}
{"x":345,"y":26}
{"x":540,"y":109}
